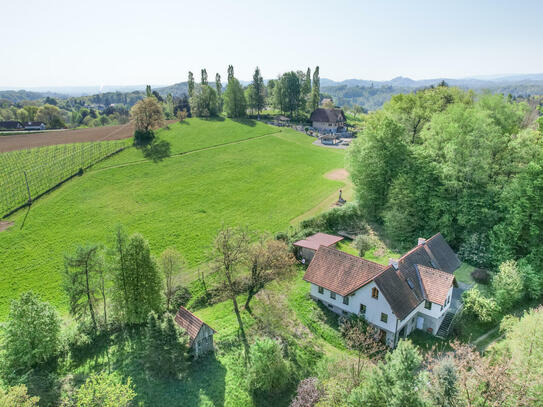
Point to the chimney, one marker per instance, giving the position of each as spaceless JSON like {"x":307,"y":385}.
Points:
{"x":421,"y":241}
{"x":393,"y":263}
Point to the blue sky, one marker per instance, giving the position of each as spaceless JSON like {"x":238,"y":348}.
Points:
{"x":76,"y":43}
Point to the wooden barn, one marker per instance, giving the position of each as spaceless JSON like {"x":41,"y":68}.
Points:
{"x":200,"y":334}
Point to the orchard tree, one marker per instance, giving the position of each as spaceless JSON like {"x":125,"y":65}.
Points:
{"x":147,"y":115}
{"x":31,"y":333}
{"x":172,"y":263}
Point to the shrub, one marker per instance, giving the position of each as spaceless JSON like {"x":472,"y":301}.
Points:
{"x":105,"y":390}
{"x":507,"y":285}
{"x":268,"y":371}
{"x":481,"y":276}
{"x":363,"y":243}
{"x":181,"y":297}
{"x":347,"y":218}
{"x":483,"y":308}
{"x":17,"y":396}
{"x":308,"y":393}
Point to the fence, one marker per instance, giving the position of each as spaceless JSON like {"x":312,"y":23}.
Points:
{"x":27,"y":174}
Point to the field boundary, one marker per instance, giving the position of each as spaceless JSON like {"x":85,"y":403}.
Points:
{"x":145,"y":160}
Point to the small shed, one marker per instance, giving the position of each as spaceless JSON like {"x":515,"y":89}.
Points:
{"x":308,"y":246}
{"x":200,"y":334}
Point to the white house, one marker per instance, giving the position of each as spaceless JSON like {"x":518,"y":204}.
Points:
{"x":328,"y":120}
{"x":413,"y":292}
{"x":34,"y":126}
{"x":200,"y":334}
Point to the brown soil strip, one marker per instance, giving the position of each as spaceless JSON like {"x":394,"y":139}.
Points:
{"x":340,"y":174}
{"x":4,"y":225}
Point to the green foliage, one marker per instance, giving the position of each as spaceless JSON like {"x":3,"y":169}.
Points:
{"x":394,"y":384}
{"x":444,"y":390}
{"x":157,"y":151}
{"x":31,"y":334}
{"x":363,"y":243}
{"x":532,"y":280}
{"x":507,"y":285}
{"x":268,"y":371}
{"x":143,"y":137}
{"x":235,"y":104}
{"x":166,"y":347}
{"x":138,"y":281}
{"x":181,"y":297}
{"x":203,"y":102}
{"x":105,"y":390}
{"x":375,"y":159}
{"x":257,"y":96}
{"x":51,"y":116}
{"x":475,"y":250}
{"x":315,"y":96}
{"x":17,"y":396}
{"x":483,"y":308}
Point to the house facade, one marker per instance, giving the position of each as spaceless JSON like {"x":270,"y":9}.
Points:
{"x":413,"y":292}
{"x":200,"y":334}
{"x":34,"y":126}
{"x":328,"y":120}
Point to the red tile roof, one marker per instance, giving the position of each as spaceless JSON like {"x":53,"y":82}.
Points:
{"x":436,"y":283}
{"x":318,"y":239}
{"x":189,"y":322}
{"x":340,"y":272}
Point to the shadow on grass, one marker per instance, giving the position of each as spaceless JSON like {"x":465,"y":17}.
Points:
{"x":213,"y":119}
{"x":246,"y":122}
{"x":123,"y":352}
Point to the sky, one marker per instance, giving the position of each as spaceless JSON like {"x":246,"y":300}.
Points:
{"x":76,"y":43}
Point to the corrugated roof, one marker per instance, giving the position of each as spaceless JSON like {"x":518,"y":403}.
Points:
{"x":318,"y":239}
{"x":340,"y":272}
{"x":189,"y":322}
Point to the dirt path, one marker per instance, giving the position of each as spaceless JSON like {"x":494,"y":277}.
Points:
{"x":4,"y":225}
{"x":339,"y":174}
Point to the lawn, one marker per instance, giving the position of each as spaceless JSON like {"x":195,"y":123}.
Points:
{"x":182,"y":201}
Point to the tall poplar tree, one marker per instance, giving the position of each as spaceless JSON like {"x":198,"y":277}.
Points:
{"x":191,"y":84}
{"x":230,"y":73}
{"x":204,"y":77}
{"x":315,"y":92}
{"x":218,"y":87}
{"x":257,"y":97}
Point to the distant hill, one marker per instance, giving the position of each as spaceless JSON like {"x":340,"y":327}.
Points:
{"x":177,"y":89}
{"x":16,"y":96}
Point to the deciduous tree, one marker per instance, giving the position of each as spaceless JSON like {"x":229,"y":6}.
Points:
{"x":172,"y":263}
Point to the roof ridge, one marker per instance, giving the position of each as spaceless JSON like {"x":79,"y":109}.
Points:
{"x":191,"y":313}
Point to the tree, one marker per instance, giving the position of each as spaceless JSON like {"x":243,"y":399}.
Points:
{"x":166,"y":347}
{"x":257,"y":95}
{"x":358,"y":336}
{"x":51,"y":116}
{"x":191,"y":84}
{"x":218,"y":87}
{"x":31,"y":333}
{"x":229,"y":254}
{"x":507,"y":285}
{"x":290,"y":92}
{"x":268,"y":371}
{"x":148,"y":91}
{"x":443,"y":389}
{"x":139,"y":283}
{"x":315,"y":97}
{"x":363,"y":243}
{"x":531,"y":279}
{"x":105,"y":390}
{"x":394,"y":384}
{"x":374,"y":160}
{"x":306,"y":88}
{"x":203,"y":103}
{"x":357,"y":109}
{"x":267,"y":259}
{"x":230,"y":73}
{"x":17,"y":396}
{"x":481,"y":307}
{"x":204,"y":77}
{"x":147,"y":115}
{"x":235,"y":104}
{"x":81,"y":271}
{"x":172,"y":263}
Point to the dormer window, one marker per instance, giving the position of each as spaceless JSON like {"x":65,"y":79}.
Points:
{"x":374,"y":293}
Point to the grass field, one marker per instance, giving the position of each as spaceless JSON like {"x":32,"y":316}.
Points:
{"x":263,"y":182}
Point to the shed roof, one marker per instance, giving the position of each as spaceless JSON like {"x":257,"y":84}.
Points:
{"x":189,"y":322}
{"x":318,"y":239}
{"x":327,"y":115}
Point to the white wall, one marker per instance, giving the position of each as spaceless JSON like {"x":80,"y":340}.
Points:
{"x":325,"y":126}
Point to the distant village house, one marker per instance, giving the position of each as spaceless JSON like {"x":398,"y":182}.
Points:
{"x":328,"y":120}
{"x":11,"y":125}
{"x":34,"y":126}
{"x":200,"y":334}
{"x":412,"y":292}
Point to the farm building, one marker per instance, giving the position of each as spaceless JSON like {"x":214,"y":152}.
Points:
{"x":200,"y":334}
{"x":11,"y":125}
{"x":34,"y":126}
{"x":328,"y":120}
{"x":307,"y":247}
{"x":412,"y":292}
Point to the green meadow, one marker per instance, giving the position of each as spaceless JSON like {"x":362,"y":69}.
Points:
{"x":220,"y":171}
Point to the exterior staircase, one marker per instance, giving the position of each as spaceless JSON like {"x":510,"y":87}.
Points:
{"x":443,"y":330}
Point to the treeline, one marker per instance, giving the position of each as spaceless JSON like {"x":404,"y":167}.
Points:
{"x":293,"y":93}
{"x":445,"y":160}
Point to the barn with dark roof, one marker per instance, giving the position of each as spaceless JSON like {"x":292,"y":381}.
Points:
{"x":412,"y":292}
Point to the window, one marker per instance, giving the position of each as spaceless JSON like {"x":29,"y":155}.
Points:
{"x":321,"y":290}
{"x":346,"y":300}
{"x":345,"y":313}
{"x":362,"y":309}
{"x":374,"y":293}
{"x":332,"y":295}
{"x":384,"y":317}
{"x":427,"y":305}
